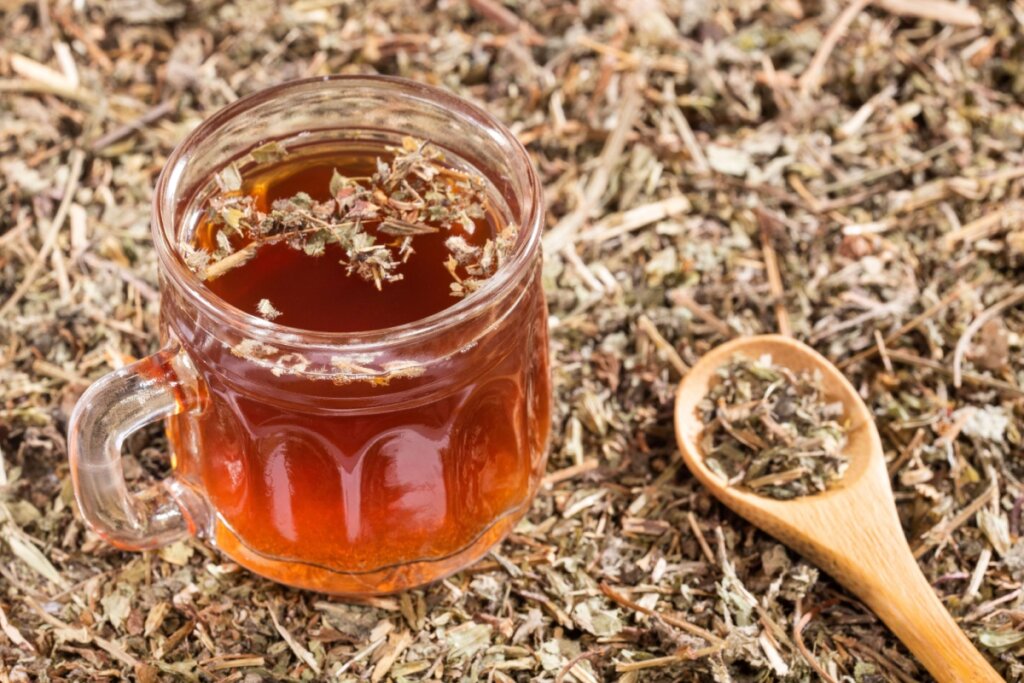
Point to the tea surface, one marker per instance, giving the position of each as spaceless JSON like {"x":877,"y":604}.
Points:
{"x":311,"y":285}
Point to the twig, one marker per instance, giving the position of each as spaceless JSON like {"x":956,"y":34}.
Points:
{"x":565,"y":231}
{"x":301,"y":652}
{"x":969,"y":377}
{"x":771,"y":265}
{"x":645,"y":325}
{"x":621,"y":223}
{"x":877,"y":174}
{"x":691,"y":519}
{"x":232,"y":661}
{"x":951,"y":13}
{"x":38,"y":87}
{"x":13,"y":634}
{"x":982,"y":227}
{"x":589,"y":279}
{"x":361,"y":655}
{"x":147,"y":290}
{"x":680,"y":298}
{"x":240,"y":257}
{"x":880,"y":343}
{"x":940,"y":531}
{"x":583,"y":656}
{"x":692,"y":629}
{"x":799,"y":624}
{"x":653,"y":663}
{"x":810,"y":78}
{"x":485,"y":566}
{"x":17,"y":231}
{"x":75,"y":31}
{"x":50,"y":238}
{"x":965,"y":339}
{"x":986,"y":607}
{"x":627,"y":60}
{"x":557,"y":612}
{"x":876,"y":657}
{"x":913,"y":324}
{"x":558,"y":476}
{"x":83,"y":634}
{"x":151,"y":116}
{"x":505,"y":18}
{"x":853,"y":124}
{"x":700,"y":161}
{"x":978,"y":575}
{"x":510,"y":568}
{"x":34,"y":71}
{"x":48,"y":369}
{"x":907,"y":452}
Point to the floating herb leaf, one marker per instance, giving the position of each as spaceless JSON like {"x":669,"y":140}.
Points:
{"x":267,"y":310}
{"x":413,"y":194}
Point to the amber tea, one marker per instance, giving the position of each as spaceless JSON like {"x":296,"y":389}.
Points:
{"x":346,"y":239}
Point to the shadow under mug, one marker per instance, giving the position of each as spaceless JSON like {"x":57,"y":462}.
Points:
{"x":316,"y":459}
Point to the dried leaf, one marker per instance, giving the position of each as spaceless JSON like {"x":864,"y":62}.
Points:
{"x":466,"y":639}
{"x":593,"y":617}
{"x":33,"y":557}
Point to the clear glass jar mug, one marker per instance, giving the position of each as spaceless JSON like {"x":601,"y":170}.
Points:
{"x":363,"y":480}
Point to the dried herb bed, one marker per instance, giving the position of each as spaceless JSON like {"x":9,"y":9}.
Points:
{"x":709,"y":171}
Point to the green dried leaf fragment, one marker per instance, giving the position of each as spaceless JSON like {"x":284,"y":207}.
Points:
{"x":229,"y":179}
{"x":117,"y":605}
{"x":269,"y":153}
{"x":1001,"y":641}
{"x":467,"y":639}
{"x":339,"y":183}
{"x":996,"y":528}
{"x":315,"y":244}
{"x":593,"y":617}
{"x":224,"y":246}
{"x":232,"y":218}
{"x":196,"y":259}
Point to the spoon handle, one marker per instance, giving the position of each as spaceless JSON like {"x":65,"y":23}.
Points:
{"x":890,"y":582}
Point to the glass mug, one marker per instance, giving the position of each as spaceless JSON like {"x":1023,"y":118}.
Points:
{"x":355,"y":481}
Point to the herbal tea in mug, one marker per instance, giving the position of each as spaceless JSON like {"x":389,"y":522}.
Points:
{"x":354,"y":375}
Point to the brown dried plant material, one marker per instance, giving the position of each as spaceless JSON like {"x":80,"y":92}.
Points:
{"x":672,"y":138}
{"x":771,"y":430}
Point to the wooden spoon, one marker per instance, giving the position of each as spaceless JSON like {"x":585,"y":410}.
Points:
{"x":851,"y":531}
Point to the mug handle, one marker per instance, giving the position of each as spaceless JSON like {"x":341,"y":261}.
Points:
{"x":116,"y":405}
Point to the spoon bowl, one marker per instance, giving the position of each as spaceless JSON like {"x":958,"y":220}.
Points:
{"x":852,"y":530}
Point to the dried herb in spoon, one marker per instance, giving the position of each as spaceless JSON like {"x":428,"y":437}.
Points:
{"x":770,"y":429}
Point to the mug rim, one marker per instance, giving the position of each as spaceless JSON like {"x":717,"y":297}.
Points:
{"x":187,"y":283}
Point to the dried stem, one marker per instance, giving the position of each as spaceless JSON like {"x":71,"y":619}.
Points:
{"x":682,"y":624}
{"x":953,"y":13}
{"x":965,"y":339}
{"x":53,"y":230}
{"x":799,"y":624}
{"x":811,"y":77}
